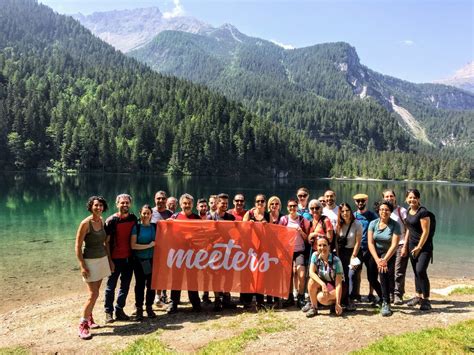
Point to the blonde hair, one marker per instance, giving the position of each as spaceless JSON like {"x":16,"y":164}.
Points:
{"x":271,"y":199}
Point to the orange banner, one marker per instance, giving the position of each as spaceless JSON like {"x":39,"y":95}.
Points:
{"x":223,"y":256}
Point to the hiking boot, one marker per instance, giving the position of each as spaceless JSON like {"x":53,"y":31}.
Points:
{"x":290,"y":302}
{"x":84,"y":332}
{"x":91,"y":323}
{"x":217,"y":305}
{"x":138,"y":313}
{"x":377,"y":302}
{"x":261,"y":307}
{"x":312,"y":312}
{"x":414,"y":301}
{"x":398,"y":300}
{"x":386,"y":311}
{"x":351,"y":307}
{"x":425,"y":305}
{"x":150,"y":313}
{"x":306,"y":307}
{"x":120,"y":315}
{"x":109,"y":318}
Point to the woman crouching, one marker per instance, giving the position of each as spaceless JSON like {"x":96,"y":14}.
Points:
{"x":142,"y":243}
{"x":325,"y":279}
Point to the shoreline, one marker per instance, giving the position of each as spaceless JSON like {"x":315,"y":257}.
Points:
{"x":49,"y":325}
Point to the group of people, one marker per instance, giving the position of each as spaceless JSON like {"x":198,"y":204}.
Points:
{"x":333,"y":244}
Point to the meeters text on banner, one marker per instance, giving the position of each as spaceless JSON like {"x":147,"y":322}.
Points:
{"x":225,"y":256}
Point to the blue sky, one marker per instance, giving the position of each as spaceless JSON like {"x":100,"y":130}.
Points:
{"x":419,"y":41}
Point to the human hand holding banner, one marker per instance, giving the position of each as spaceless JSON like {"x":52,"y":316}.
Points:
{"x":223,"y":256}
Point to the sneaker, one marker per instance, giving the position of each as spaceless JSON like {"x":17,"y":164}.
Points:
{"x":351,"y":307}
{"x":371,"y":298}
{"x":425,"y":305}
{"x":217,"y":305}
{"x":392,"y":298}
{"x":306,"y":307}
{"x":109,"y":318}
{"x":120,"y":315}
{"x":164,"y":298}
{"x":290,"y":302}
{"x":386,"y":311}
{"x":172,"y":309}
{"x":84,"y":332}
{"x":312,"y":312}
{"x":300,"y":302}
{"x":150,"y":313}
{"x":206,"y":299}
{"x":414,"y":301}
{"x":398,"y":300}
{"x":91,"y":323}
{"x":138,"y":314}
{"x":377,"y":302}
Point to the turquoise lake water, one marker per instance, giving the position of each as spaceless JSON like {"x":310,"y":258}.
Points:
{"x":39,"y":215}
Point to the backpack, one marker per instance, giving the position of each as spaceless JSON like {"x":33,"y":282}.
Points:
{"x":301,"y":220}
{"x":330,"y":265}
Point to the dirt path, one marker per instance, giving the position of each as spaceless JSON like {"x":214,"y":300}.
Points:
{"x":50,"y":327}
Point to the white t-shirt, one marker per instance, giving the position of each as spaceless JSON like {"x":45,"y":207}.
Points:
{"x":332,"y":215}
{"x":396,"y":214}
{"x":299,"y":242}
{"x":356,"y":228}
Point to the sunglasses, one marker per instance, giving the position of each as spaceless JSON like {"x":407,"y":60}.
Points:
{"x":302,"y":195}
{"x":292,"y":206}
{"x":259,"y":201}
{"x":360,"y":201}
{"x":274,"y":204}
{"x":241,"y":201}
{"x":315,"y":208}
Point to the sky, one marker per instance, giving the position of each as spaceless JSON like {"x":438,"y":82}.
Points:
{"x":414,"y":40}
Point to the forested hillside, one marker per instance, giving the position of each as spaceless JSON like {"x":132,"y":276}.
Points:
{"x":291,"y":86}
{"x":68,"y":100}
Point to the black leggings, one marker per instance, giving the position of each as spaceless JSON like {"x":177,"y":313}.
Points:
{"x":420,"y":266}
{"x":383,"y":287}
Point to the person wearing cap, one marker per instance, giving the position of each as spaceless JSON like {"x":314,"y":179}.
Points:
{"x":364,"y":216}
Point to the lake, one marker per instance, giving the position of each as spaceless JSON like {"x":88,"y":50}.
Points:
{"x":39,"y":215}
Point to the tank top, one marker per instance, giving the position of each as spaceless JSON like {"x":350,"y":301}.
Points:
{"x":94,"y":243}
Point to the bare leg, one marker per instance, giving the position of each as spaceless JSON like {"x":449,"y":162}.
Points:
{"x":93,"y":288}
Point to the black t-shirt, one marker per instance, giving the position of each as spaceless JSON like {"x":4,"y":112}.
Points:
{"x":414,"y":226}
{"x":225,"y":217}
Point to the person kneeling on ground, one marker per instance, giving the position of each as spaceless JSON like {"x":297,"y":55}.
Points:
{"x":325,"y":279}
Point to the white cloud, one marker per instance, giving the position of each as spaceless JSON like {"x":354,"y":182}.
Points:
{"x":408,"y":42}
{"x":285,"y":46}
{"x":177,"y":11}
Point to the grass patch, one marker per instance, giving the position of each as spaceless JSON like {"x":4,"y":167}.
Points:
{"x":14,"y":351}
{"x":149,"y":344}
{"x":266,"y":323}
{"x":455,"y":339}
{"x":465,"y":290}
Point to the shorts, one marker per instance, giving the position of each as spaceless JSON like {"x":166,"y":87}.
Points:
{"x":299,"y":257}
{"x":99,"y":268}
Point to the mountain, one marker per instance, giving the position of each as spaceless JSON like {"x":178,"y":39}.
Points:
{"x":290,"y":85}
{"x":68,"y":101}
{"x":130,"y":29}
{"x":463,"y":78}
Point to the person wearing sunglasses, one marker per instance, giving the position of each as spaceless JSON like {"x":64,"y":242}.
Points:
{"x":303,"y":197}
{"x":302,"y":225}
{"x":364,"y":216}
{"x":320,"y":224}
{"x":349,"y":235}
{"x":383,"y":236}
{"x":325,"y":279}
{"x":256,"y":214}
{"x":239,"y":210}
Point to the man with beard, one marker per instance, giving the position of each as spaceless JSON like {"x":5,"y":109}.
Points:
{"x":202,"y":208}
{"x":160,"y":213}
{"x":119,"y":230}
{"x":186,"y":203}
{"x":364,"y":216}
{"x":331,"y":209}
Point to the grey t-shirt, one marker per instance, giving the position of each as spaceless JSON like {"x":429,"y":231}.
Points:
{"x":356,"y":228}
